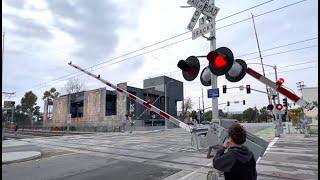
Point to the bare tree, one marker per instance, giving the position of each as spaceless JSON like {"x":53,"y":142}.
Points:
{"x":74,"y":85}
{"x":187,"y":106}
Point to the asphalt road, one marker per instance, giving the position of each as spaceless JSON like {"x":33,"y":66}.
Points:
{"x":166,"y":155}
{"x":112,"y":156}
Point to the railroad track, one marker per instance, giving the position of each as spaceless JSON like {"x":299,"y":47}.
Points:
{"x":43,"y":133}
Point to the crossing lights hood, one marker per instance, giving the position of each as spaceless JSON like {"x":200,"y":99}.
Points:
{"x":237,"y":71}
{"x":190,"y":68}
{"x":205,"y":76}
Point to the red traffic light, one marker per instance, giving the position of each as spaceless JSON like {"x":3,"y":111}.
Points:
{"x":220,"y":60}
{"x":279,"y":106}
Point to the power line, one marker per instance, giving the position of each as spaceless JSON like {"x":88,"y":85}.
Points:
{"x":307,"y":62}
{"x":297,"y":69}
{"x":173,"y":43}
{"x":276,"y":47}
{"x":157,"y":42}
{"x":283,"y":52}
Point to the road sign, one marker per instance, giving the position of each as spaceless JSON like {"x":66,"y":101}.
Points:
{"x":203,"y":30}
{"x":194,"y":19}
{"x":198,"y":4}
{"x":213,"y":93}
{"x":209,"y":10}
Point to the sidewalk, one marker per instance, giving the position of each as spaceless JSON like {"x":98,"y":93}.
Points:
{"x":291,"y":157}
{"x":14,"y":157}
{"x":14,"y":151}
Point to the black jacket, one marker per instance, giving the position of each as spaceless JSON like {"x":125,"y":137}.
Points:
{"x":237,"y":163}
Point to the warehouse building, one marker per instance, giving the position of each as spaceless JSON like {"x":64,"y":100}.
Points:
{"x":103,"y":110}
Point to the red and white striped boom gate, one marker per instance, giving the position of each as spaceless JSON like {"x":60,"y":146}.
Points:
{"x":134,"y":98}
{"x":280,"y":89}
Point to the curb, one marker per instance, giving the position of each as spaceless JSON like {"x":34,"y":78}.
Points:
{"x":36,"y":155}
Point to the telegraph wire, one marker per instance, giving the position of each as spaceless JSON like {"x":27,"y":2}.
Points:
{"x":278,"y":47}
{"x":63,"y":77}
{"x":283,"y":52}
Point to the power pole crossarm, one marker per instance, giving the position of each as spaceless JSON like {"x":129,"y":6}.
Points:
{"x":148,"y":105}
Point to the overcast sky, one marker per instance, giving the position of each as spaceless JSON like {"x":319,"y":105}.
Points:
{"x":42,"y":36}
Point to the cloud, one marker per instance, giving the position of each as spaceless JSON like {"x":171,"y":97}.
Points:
{"x":19,"y":4}
{"x":91,"y":25}
{"x":27,"y":28}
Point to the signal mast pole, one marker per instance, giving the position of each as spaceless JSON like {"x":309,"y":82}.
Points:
{"x":214,"y":78}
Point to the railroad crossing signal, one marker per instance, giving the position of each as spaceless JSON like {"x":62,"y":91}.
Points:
{"x":221,"y":62}
{"x":279,"y":106}
{"x":270,"y":107}
{"x":190,"y":68}
{"x":280,"y":81}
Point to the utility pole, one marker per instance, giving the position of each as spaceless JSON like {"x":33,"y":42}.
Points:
{"x":255,"y":31}
{"x":2,"y":78}
{"x":202,"y":105}
{"x":276,"y":78}
{"x":214,"y":82}
{"x":300,"y":85}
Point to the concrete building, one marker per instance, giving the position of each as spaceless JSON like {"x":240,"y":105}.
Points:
{"x":310,"y":94}
{"x":103,"y":110}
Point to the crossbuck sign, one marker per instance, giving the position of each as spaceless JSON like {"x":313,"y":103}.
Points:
{"x":209,"y":12}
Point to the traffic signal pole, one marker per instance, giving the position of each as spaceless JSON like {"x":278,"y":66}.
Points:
{"x":214,"y":82}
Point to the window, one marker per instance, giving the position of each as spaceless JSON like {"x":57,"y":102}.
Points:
{"x":111,"y":104}
{"x":76,"y":105}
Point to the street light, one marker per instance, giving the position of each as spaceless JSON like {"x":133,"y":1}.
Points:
{"x":165,"y":101}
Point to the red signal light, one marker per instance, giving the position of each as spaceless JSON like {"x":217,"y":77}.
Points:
{"x":219,"y":62}
{"x":280,"y":81}
{"x":279,"y":106}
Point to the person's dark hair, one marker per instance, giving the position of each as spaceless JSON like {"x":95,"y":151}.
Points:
{"x":237,"y":133}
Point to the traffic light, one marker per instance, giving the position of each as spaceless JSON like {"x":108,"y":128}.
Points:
{"x":270,"y":107}
{"x":244,"y":102}
{"x":190,"y":68}
{"x":205,"y":77}
{"x":221,"y":62}
{"x":279,"y":106}
{"x":248,"y":89}
{"x":228,"y":103}
{"x":224,"y":89}
{"x":285,"y":102}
